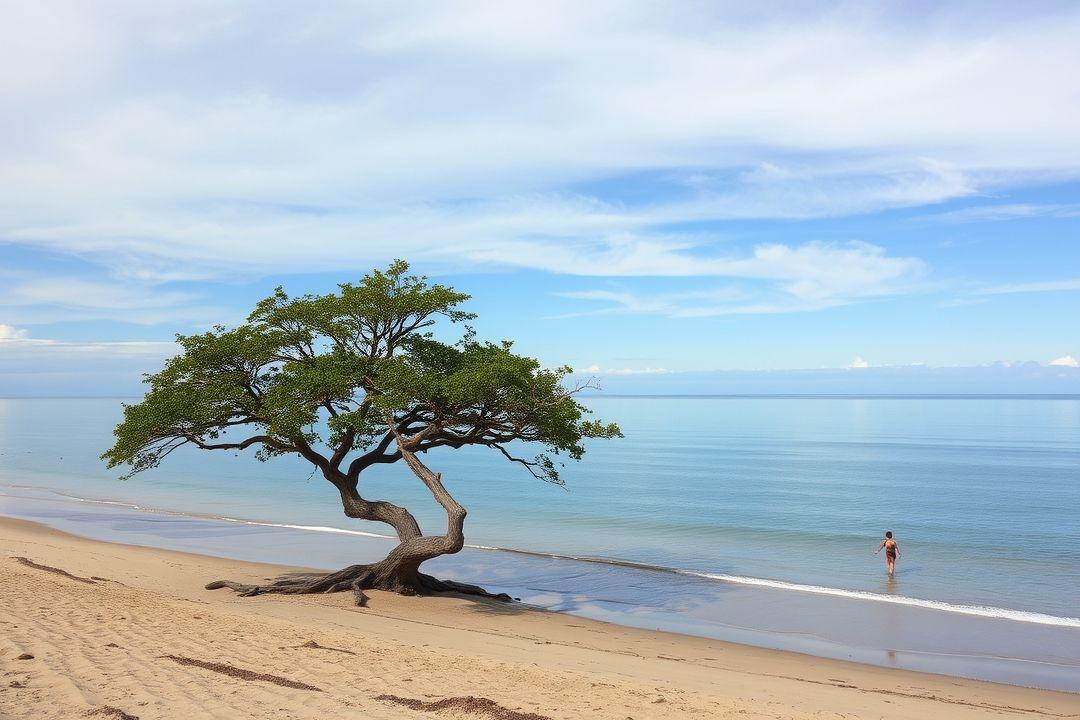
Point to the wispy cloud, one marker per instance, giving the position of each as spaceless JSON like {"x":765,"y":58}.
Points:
{"x":19,"y":346}
{"x":813,"y":276}
{"x":89,"y":294}
{"x":35,"y":298}
{"x":1008,"y":211}
{"x":1065,"y":361}
{"x":597,"y":370}
{"x":1031,"y":287}
{"x":459,"y":134}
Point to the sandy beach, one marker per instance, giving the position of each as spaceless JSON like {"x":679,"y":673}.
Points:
{"x":94,"y":629}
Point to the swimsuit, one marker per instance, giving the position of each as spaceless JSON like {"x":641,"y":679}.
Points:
{"x":890,"y":551}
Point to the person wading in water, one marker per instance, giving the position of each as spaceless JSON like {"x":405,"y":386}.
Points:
{"x":892,"y":551}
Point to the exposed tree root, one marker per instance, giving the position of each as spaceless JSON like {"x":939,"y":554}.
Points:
{"x":359,"y":578}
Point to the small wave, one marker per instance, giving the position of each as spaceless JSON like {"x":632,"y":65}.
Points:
{"x":311,"y":528}
{"x":978,"y":610}
{"x":133,"y":506}
{"x":208,"y":516}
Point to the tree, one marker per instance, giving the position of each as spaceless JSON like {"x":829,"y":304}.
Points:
{"x":353,"y":379}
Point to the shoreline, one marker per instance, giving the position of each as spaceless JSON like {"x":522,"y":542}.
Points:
{"x":845,"y":628}
{"x":1013,"y":614}
{"x":524,"y":660}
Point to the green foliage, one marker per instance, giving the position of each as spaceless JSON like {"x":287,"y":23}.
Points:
{"x":351,"y":361}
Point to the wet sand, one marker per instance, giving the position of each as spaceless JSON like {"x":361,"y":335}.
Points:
{"x":123,"y":631}
{"x":897,"y":636}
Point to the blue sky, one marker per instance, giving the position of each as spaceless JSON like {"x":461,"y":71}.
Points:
{"x":639,"y":190}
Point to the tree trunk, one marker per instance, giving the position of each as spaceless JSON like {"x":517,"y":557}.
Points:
{"x":400,"y":570}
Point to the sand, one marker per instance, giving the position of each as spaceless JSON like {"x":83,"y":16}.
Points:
{"x":93,"y":629}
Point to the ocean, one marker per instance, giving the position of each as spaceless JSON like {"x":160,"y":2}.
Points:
{"x":753,"y":519}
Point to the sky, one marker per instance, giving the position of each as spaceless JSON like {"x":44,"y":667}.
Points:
{"x":669,"y":196}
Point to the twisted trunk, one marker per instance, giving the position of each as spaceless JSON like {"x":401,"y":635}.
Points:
{"x":400,"y":570}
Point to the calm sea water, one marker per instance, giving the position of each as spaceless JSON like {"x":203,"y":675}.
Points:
{"x":982,"y":494}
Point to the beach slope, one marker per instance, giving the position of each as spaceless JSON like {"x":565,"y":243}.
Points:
{"x":93,"y":629}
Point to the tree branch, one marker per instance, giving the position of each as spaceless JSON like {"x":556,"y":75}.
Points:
{"x":243,"y":445}
{"x":343,"y":449}
{"x":316,"y":459}
{"x":529,"y":465}
{"x":379,"y":453}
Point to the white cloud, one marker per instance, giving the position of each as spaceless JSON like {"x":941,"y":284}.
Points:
{"x":858,"y":363}
{"x":1065,"y":361}
{"x":9,"y":332}
{"x":166,"y":141}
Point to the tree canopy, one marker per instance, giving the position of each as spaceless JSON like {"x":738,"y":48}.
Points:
{"x":338,"y":378}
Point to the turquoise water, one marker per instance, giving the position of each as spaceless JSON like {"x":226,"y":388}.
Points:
{"x":982,"y":494}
